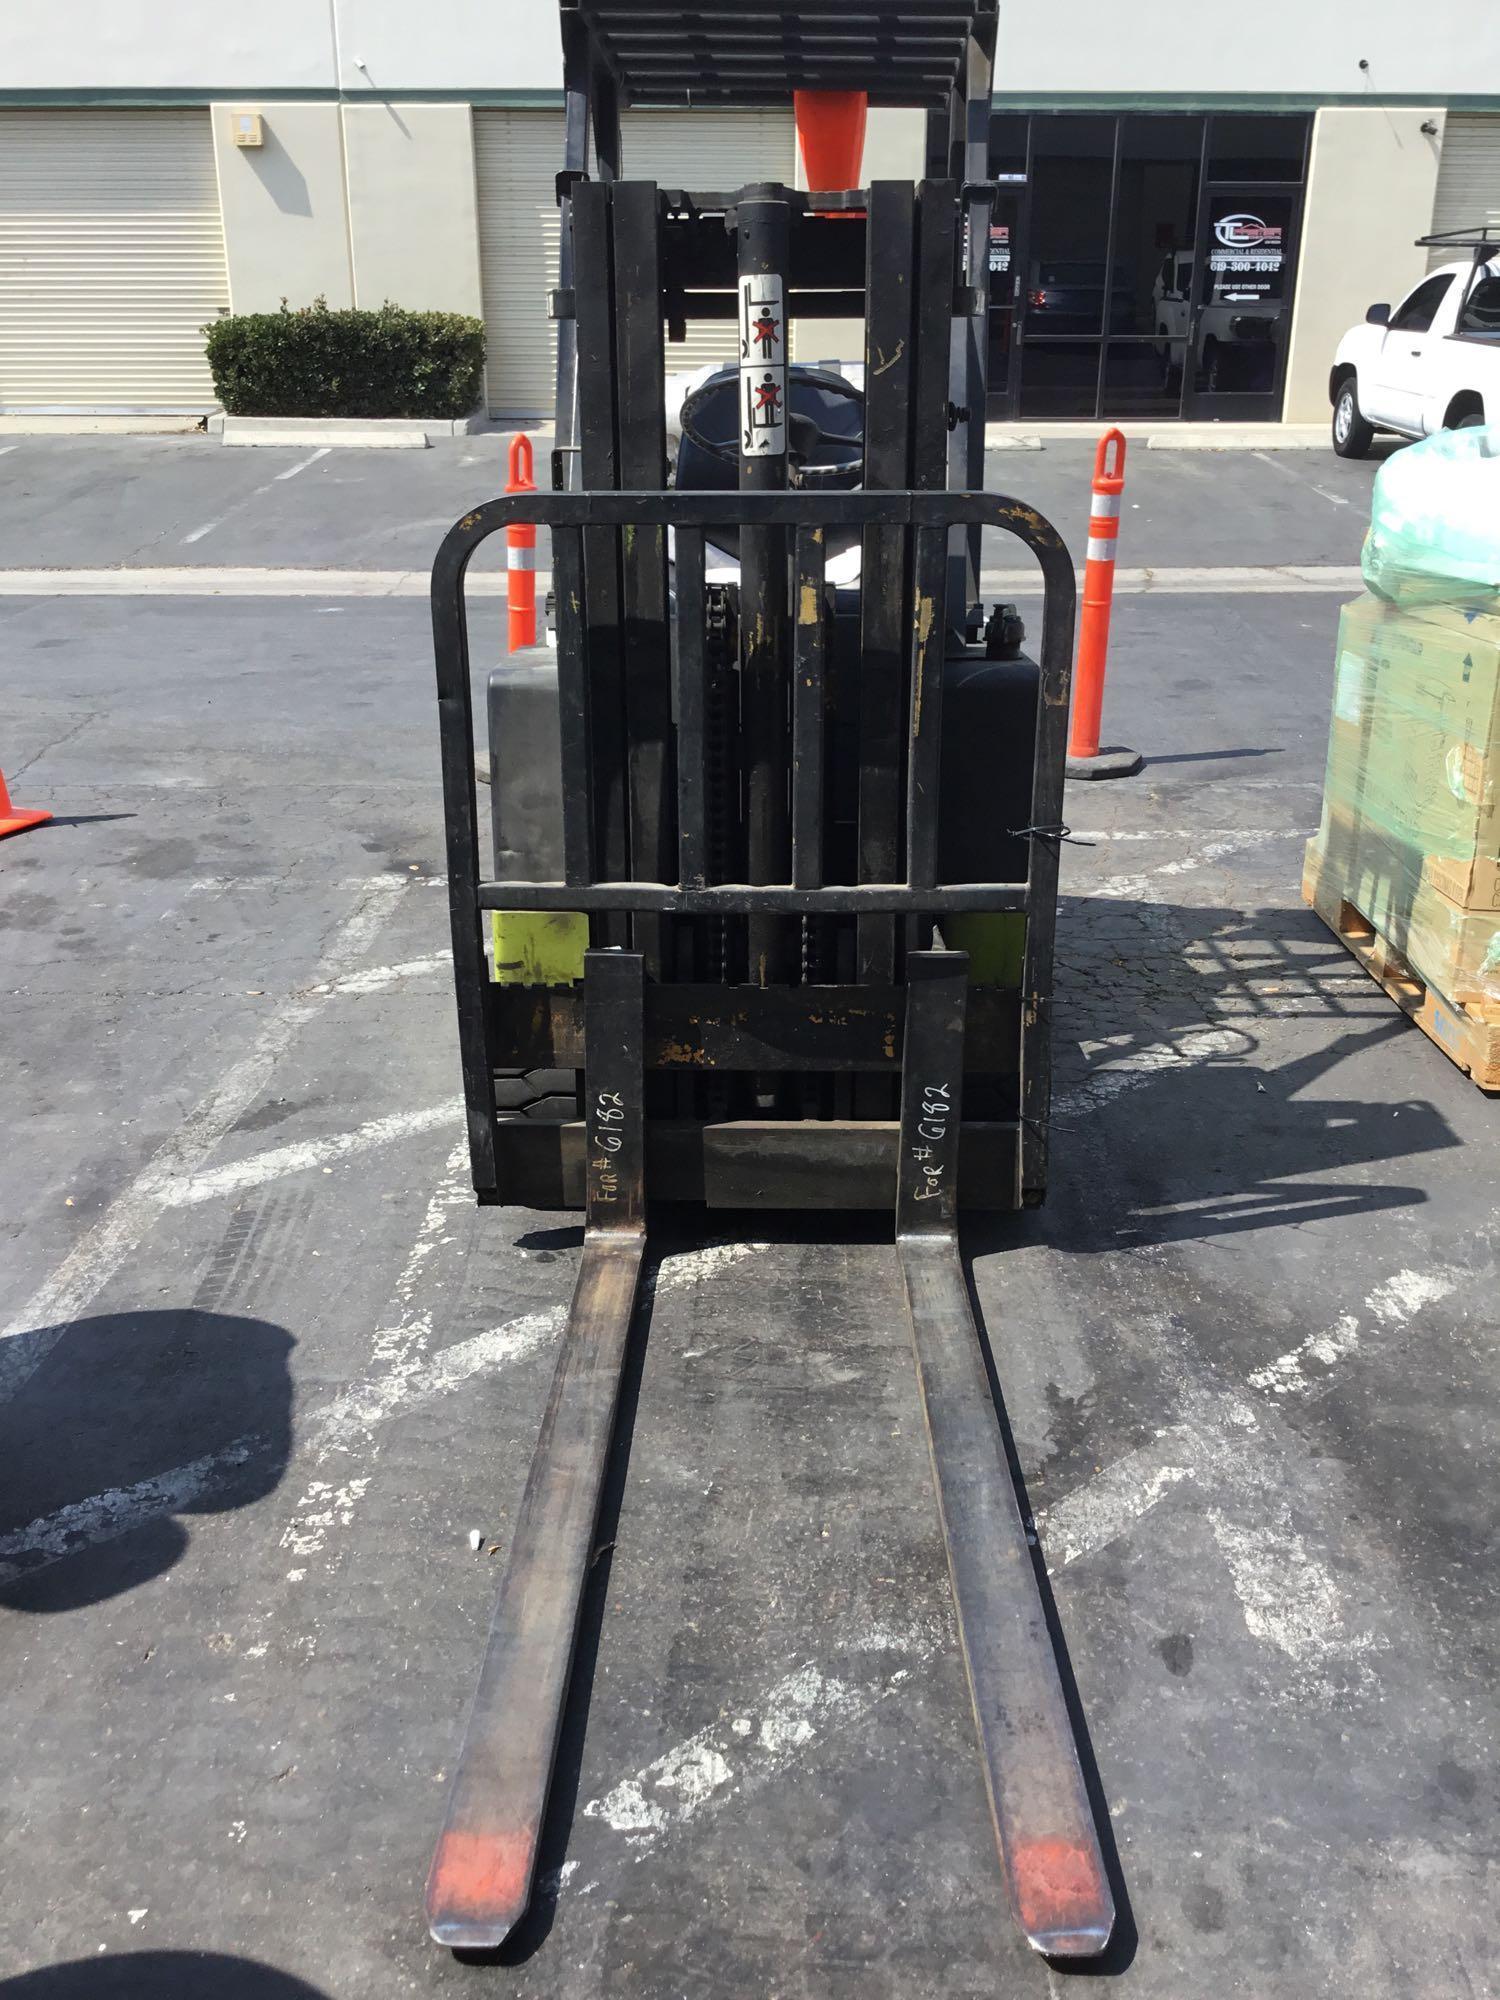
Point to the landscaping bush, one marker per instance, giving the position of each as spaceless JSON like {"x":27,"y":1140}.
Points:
{"x":322,"y":361}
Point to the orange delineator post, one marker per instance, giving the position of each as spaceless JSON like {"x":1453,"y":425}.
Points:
{"x":520,"y":550}
{"x":16,"y":819}
{"x":1098,"y":594}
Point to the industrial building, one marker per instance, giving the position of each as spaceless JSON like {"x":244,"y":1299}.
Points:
{"x":1189,"y":218}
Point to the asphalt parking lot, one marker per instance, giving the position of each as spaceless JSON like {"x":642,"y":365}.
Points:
{"x":170,"y":502}
{"x":264,"y":1366}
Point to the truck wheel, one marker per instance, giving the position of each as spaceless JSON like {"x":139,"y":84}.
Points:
{"x":1352,"y":436}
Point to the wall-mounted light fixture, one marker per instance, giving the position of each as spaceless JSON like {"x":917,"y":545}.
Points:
{"x":248,"y":128}
{"x":1429,"y":128}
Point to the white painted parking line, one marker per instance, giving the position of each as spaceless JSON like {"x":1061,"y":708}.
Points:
{"x":768,"y":1734}
{"x":1323,"y":492}
{"x":1394,"y":1302}
{"x":1180,"y":836}
{"x":1150,"y":886}
{"x":229,"y":582}
{"x":1110,"y":1075}
{"x":254,"y":581}
{"x":377,"y":977}
{"x":1108,"y":1505}
{"x":329,"y":1502}
{"x":210,"y":1183}
{"x":4,"y":448}
{"x":105,"y":1516}
{"x":292,"y":470}
{"x":30,"y":1334}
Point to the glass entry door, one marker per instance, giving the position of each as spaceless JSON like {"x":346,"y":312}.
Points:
{"x":1241,"y":301}
{"x":1142,"y":265}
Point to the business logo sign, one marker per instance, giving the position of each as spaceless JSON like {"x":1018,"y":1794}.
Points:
{"x":1246,"y":232}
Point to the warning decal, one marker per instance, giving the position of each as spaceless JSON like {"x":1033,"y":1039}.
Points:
{"x":762,"y":368}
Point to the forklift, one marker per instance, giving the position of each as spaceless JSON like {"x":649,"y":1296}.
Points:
{"x":768,"y":920}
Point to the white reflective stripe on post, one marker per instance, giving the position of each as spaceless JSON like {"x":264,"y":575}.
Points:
{"x":1100,"y":551}
{"x":520,"y":558}
{"x":1106,"y":506}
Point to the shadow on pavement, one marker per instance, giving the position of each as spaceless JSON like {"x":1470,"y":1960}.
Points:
{"x":158,"y":1975}
{"x":1161,"y":1019}
{"x":1212,"y":756}
{"x":131,"y":1421}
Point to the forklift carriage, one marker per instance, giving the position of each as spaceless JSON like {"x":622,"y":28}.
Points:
{"x":770,"y":917}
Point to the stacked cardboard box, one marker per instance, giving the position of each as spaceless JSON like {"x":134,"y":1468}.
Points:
{"x":1410,"y":834}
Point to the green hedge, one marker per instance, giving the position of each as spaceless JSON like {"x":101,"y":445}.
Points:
{"x":322,"y":361}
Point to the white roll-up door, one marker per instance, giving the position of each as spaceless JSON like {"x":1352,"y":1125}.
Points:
{"x":111,"y":259}
{"x":518,"y":155}
{"x":517,"y":158}
{"x":1468,"y":183}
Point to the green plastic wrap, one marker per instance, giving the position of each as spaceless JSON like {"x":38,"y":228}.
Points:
{"x":1435,"y":522}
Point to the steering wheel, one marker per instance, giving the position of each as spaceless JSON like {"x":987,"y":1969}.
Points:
{"x":825,"y":426}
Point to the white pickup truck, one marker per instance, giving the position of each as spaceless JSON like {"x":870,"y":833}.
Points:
{"x":1431,"y":365}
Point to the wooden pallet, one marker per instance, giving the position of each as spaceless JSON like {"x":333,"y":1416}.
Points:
{"x":1465,"y":1034}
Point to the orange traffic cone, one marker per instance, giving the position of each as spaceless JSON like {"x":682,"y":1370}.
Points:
{"x":15,"y":819}
{"x":831,"y":128}
{"x":831,"y":131}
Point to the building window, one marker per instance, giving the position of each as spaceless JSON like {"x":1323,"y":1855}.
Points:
{"x":1141,"y":264}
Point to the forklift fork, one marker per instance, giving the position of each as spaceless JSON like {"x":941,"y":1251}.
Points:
{"x":480,"y":1882}
{"x":1043,"y":1821}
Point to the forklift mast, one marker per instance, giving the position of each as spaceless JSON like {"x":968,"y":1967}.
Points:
{"x":769,"y":916}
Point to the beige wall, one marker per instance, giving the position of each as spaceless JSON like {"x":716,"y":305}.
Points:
{"x":286,"y":234}
{"x":1371,"y":178}
{"x":413,"y":213}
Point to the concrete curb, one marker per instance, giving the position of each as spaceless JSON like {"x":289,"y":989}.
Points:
{"x":105,"y":424}
{"x":396,"y":433}
{"x":1156,"y":437}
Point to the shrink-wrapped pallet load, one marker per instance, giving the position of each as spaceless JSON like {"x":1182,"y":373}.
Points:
{"x":1410,"y":834}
